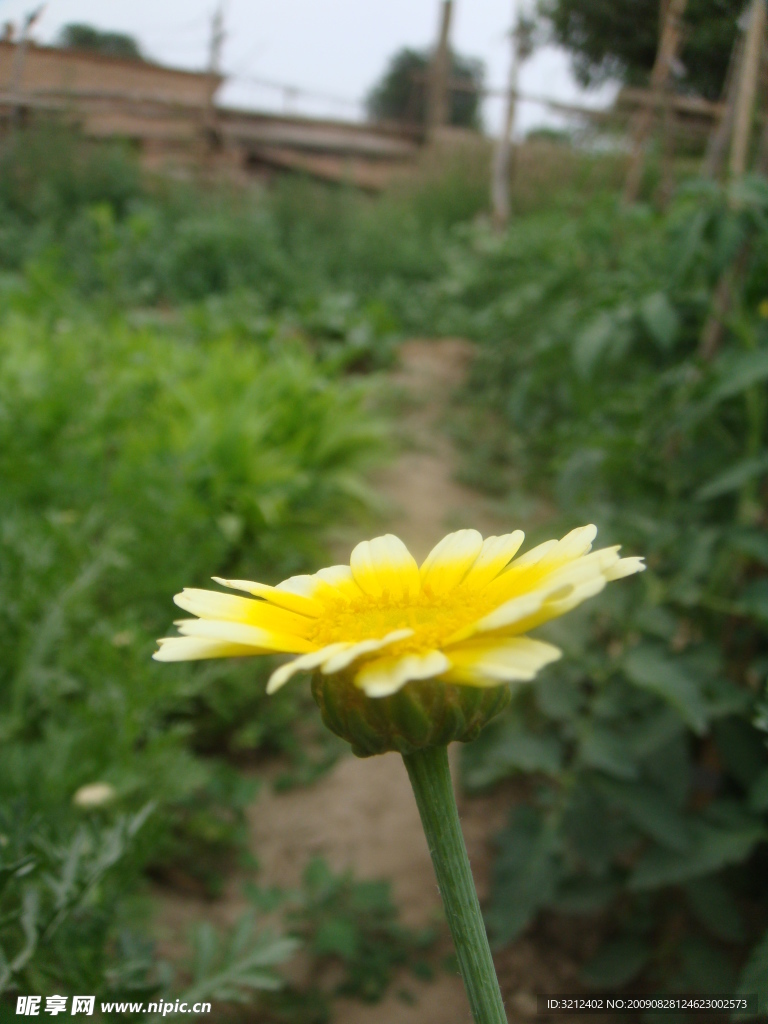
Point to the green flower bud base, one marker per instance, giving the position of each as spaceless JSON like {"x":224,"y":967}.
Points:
{"x":425,"y":713}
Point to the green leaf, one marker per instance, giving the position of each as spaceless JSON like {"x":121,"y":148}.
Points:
{"x":660,"y":319}
{"x":592,"y":341}
{"x":738,"y":372}
{"x":703,"y":967}
{"x":584,"y":895}
{"x":733,"y":479}
{"x":754,"y":976}
{"x":711,"y":849}
{"x":336,"y":937}
{"x":741,"y":749}
{"x":716,"y":909}
{"x":758,"y":795}
{"x":601,"y":748}
{"x":754,"y":601}
{"x":617,"y":962}
{"x":753,"y":543}
{"x":649,"y":668}
{"x":650,"y":811}
{"x":506,"y":748}
{"x":525,"y":874}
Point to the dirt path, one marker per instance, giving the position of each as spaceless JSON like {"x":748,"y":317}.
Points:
{"x":362,"y":815}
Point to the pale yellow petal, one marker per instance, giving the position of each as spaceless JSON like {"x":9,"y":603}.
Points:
{"x":336,"y":581}
{"x":261,"y":640}
{"x":305,"y":663}
{"x":190,"y":648}
{"x":625,"y":567}
{"x":385,"y":676}
{"x":505,"y":615}
{"x":494,"y":557}
{"x":534,"y":555}
{"x":354,"y":651}
{"x":384,"y":565}
{"x":489,"y":662}
{"x":449,"y":561}
{"x":574,"y":544}
{"x":287,"y":594}
{"x":209,"y":604}
{"x":558,"y":604}
{"x":537,"y":568}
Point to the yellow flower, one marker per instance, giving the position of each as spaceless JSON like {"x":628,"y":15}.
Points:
{"x":459,"y":618}
{"x":762,"y":309}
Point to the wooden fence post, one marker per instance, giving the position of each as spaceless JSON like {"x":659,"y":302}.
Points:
{"x":437,"y":99}
{"x":665,"y":55}
{"x":747,"y":89}
{"x":501,"y":157}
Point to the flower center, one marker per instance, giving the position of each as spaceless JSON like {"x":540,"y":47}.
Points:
{"x":432,"y":619}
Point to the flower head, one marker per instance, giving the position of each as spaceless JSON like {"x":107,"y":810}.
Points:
{"x":382,"y":621}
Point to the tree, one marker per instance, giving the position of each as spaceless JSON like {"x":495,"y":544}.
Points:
{"x":113,"y":44}
{"x":619,"y":38}
{"x":401,"y":92}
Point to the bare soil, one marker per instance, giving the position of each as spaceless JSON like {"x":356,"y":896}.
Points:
{"x":361,"y":814}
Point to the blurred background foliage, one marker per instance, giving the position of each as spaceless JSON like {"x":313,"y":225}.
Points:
{"x":187,"y":387}
{"x":618,"y":39}
{"x":401,"y":93}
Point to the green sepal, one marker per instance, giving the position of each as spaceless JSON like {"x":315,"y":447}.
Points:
{"x":424,"y":713}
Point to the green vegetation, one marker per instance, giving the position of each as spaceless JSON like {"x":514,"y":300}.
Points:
{"x":620,"y":39}
{"x":181,"y":394}
{"x":143,"y":448}
{"x":645,"y":744}
{"x":401,"y":93}
{"x":350,"y":929}
{"x":77,"y":36}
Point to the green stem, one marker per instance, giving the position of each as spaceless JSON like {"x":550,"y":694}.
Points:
{"x":431,"y":780}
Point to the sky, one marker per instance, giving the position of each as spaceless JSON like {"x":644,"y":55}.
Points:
{"x":335,"y":48}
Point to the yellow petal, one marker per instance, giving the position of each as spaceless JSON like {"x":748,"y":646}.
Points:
{"x":336,"y":581}
{"x":305,"y":663}
{"x":384,"y":565}
{"x":190,"y":648}
{"x":386,"y":676}
{"x":494,"y":556}
{"x":449,"y":561}
{"x":284,"y":595}
{"x":491,"y":662}
{"x":354,"y":651}
{"x":209,"y":604}
{"x":260,"y":640}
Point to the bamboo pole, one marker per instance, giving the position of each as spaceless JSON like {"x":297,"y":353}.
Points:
{"x":665,"y":55}
{"x":717,"y":144}
{"x":437,"y":99}
{"x":712,"y":334}
{"x":501,"y":162}
{"x":747,"y":90}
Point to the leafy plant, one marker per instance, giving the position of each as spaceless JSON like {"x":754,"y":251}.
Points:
{"x":648,"y":769}
{"x":350,"y":929}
